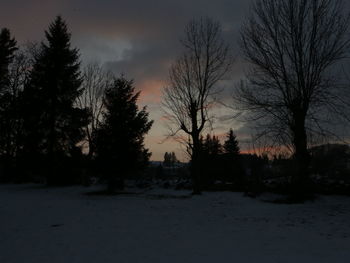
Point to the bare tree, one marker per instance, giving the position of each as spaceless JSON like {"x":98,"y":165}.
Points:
{"x":193,"y":79}
{"x":95,"y":82}
{"x":19,"y":75}
{"x":291,"y":88}
{"x":11,"y":122}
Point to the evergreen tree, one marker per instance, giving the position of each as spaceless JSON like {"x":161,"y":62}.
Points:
{"x":53,"y":126}
{"x":216,"y":147}
{"x":170,"y":159}
{"x":231,"y":144}
{"x":119,"y":140}
{"x":173,"y":158}
{"x":8,"y":48}
{"x":167,"y":161}
{"x":212,"y":145}
{"x":206,"y":145}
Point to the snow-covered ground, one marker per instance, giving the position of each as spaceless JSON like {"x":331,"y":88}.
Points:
{"x":64,"y":225}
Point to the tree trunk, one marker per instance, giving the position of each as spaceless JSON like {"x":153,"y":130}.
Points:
{"x":300,"y":180}
{"x":195,"y":164}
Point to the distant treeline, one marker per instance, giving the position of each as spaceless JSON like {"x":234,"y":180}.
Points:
{"x":223,"y":169}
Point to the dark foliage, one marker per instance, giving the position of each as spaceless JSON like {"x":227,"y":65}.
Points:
{"x":8,"y":46}
{"x":219,"y":170}
{"x":231,"y":144}
{"x":119,"y":140}
{"x":11,"y":77}
{"x":52,"y":125}
{"x":170,"y":159}
{"x":330,"y":167}
{"x":7,"y":53}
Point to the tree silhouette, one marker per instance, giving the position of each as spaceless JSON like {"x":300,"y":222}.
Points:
{"x":193,"y":80}
{"x":8,"y":46}
{"x":173,"y":158}
{"x":167,"y":159}
{"x":119,"y":140}
{"x":53,"y":126}
{"x":211,"y":146}
{"x":8,"y":138}
{"x":231,"y":144}
{"x":95,"y":82}
{"x":170,"y":159}
{"x":291,"y":91}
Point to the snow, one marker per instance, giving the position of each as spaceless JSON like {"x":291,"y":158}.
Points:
{"x":39,"y":224}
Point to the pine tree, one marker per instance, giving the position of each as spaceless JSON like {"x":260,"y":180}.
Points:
{"x":119,"y":140}
{"x":8,"y":48}
{"x":53,"y":126}
{"x":170,"y":159}
{"x":206,"y":145}
{"x":216,"y":147}
{"x":212,"y":145}
{"x":231,"y":144}
{"x":173,"y":158}
{"x":167,"y":161}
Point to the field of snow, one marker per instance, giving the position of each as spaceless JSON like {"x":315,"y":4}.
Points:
{"x":64,"y":225}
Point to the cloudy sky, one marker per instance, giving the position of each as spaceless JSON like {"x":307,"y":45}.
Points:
{"x":136,"y":37}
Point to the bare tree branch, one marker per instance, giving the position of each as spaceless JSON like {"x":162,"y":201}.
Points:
{"x":292,"y":46}
{"x":95,"y":82}
{"x":193,"y":79}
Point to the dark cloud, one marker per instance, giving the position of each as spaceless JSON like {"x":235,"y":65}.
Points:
{"x":151,"y":28}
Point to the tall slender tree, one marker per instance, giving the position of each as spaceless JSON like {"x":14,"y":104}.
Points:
{"x":8,"y":48}
{"x":167,"y":159}
{"x":231,"y":144}
{"x":95,"y":82}
{"x":52,"y":124}
{"x":193,"y":82}
{"x":119,"y":140}
{"x":211,"y":146}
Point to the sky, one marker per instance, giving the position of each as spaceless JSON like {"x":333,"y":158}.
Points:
{"x":139,"y":39}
